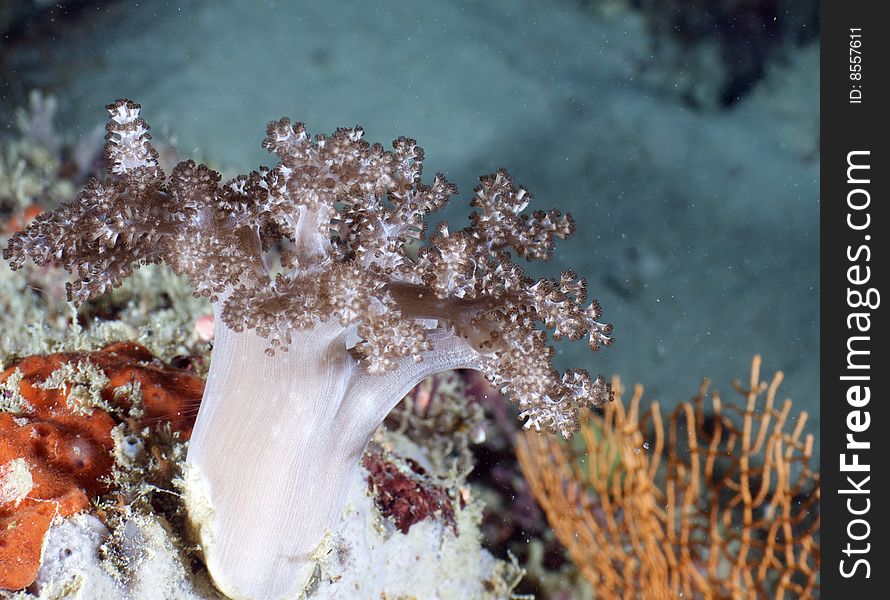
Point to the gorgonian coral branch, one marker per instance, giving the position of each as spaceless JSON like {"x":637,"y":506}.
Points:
{"x":344,"y":217}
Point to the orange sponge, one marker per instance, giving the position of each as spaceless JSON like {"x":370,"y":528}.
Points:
{"x":56,"y":455}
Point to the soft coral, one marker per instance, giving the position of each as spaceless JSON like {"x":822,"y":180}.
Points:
{"x":308,"y":360}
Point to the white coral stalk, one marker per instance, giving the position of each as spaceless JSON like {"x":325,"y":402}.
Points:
{"x":276,"y":444}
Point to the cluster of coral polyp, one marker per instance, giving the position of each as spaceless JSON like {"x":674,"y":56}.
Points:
{"x":57,"y":416}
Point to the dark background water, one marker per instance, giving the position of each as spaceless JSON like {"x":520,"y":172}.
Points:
{"x":683,"y":136}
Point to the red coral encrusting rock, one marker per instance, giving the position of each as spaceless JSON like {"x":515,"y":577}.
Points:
{"x":406,"y":496}
{"x":56,"y":454}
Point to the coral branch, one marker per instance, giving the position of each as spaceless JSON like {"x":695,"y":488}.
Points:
{"x":714,"y":500}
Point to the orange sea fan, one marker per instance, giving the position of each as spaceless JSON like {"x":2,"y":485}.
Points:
{"x":716,"y":503}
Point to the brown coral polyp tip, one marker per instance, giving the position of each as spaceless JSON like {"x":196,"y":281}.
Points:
{"x":56,"y":455}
